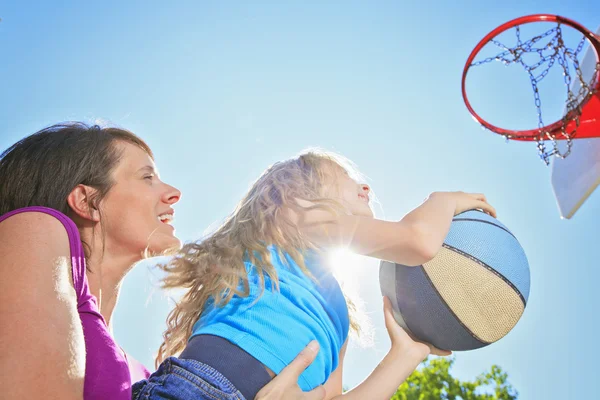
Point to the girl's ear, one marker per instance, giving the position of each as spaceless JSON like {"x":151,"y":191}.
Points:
{"x":80,"y":201}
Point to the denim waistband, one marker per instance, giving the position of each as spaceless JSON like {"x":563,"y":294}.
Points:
{"x":185,"y":380}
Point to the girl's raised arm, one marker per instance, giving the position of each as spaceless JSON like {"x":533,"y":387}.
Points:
{"x":413,"y":240}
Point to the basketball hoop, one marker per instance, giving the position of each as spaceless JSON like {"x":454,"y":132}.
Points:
{"x":582,"y":107}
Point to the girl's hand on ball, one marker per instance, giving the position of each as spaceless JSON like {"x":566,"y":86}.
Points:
{"x":402,"y":342}
{"x":469,"y":201}
{"x":473,"y":201}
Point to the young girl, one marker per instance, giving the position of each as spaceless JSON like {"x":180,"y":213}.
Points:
{"x":259,"y":290}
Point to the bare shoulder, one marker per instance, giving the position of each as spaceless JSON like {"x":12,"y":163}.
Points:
{"x":39,"y":303}
{"x":34,"y":246}
{"x":32,"y":220}
{"x":35,"y":230}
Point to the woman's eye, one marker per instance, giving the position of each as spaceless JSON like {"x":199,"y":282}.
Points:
{"x":149,"y":177}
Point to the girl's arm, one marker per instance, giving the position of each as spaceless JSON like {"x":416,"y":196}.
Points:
{"x":42,"y":349}
{"x":413,"y":240}
{"x":402,"y":359}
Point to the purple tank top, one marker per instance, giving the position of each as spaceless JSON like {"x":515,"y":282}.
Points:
{"x":109,"y":372}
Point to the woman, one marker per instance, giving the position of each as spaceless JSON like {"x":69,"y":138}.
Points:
{"x":79,"y":205}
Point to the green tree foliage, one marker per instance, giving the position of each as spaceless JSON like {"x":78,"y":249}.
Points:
{"x":433,"y":381}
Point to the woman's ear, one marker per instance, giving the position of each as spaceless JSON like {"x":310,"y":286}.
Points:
{"x":80,"y":201}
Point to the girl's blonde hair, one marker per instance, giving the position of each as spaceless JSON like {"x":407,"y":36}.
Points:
{"x":213,"y":268}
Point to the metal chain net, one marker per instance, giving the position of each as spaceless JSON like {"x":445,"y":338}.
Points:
{"x":550,"y":52}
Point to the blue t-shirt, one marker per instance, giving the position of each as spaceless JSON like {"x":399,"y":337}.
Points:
{"x":277,"y":326}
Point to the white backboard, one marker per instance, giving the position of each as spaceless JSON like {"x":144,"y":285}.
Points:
{"x":575,"y":177}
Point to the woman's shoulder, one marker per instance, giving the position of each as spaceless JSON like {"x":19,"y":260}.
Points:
{"x":39,"y":221}
{"x":35,"y":222}
{"x":40,"y":235}
{"x":38,"y":296}
{"x":35,"y":216}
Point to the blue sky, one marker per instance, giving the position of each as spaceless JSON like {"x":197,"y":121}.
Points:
{"x":220,"y":90}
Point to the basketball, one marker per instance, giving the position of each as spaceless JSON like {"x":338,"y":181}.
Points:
{"x":471,"y":294}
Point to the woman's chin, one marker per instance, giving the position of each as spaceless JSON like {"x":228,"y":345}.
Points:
{"x":163,"y":245}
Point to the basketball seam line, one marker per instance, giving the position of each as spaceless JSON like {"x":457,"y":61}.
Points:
{"x":485,"y":222}
{"x":456,"y":318}
{"x":489,"y":268}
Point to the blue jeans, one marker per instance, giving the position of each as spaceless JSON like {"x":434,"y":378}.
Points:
{"x":178,"y":379}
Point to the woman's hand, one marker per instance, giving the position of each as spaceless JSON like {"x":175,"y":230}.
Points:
{"x":402,"y":342}
{"x":285,"y":385}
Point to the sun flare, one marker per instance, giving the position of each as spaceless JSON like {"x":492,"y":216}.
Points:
{"x":345,"y":265}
